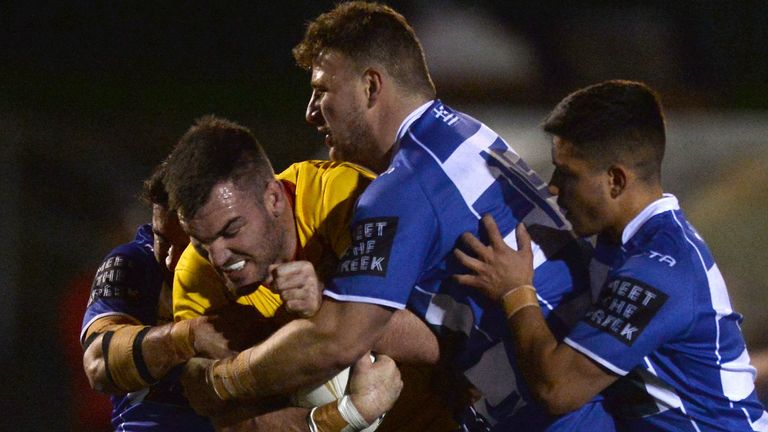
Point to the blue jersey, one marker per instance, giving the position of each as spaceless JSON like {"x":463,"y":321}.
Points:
{"x":664,"y":322}
{"x":450,"y":170}
{"x":129,"y":282}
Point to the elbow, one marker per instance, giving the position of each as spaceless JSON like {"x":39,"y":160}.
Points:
{"x":557,"y":400}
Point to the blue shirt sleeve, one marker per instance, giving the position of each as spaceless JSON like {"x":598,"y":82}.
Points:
{"x":643,"y":305}
{"x":393,"y":231}
{"x":127,"y":282}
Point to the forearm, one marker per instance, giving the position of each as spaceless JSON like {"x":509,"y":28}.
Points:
{"x":408,"y":340}
{"x":559,"y":377}
{"x":535,"y":348}
{"x":124,"y":358}
{"x":303,"y":353}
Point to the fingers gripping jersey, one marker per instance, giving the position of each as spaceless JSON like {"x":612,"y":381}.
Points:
{"x":449,"y":171}
{"x":665,"y":323}
{"x":129,"y":283}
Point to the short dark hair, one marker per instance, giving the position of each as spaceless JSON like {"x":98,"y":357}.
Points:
{"x":213,"y":150}
{"x":153,"y":189}
{"x":365,"y":33}
{"x":613,"y":121}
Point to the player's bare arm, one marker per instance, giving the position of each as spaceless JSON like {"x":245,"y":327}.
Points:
{"x":373,"y":389}
{"x":561,"y":378}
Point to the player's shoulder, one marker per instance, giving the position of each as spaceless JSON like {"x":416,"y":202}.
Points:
{"x":326,"y":172}
{"x":668,"y":243}
{"x":190,"y":260}
{"x":663,"y":259}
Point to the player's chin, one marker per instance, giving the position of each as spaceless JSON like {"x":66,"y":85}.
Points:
{"x":243,"y":284}
{"x":334,"y":155}
{"x":243,"y":289}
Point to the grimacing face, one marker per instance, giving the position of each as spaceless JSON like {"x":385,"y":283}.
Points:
{"x":583,"y":191}
{"x":169,"y":239}
{"x":242,"y":239}
{"x":337,"y":109}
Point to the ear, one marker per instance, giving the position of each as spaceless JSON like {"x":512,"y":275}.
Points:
{"x":373,"y":81}
{"x":618,"y":177}
{"x":275,"y":200}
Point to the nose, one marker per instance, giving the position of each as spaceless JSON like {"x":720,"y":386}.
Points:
{"x":313,"y":115}
{"x":218,"y":253}
{"x":174,"y":253}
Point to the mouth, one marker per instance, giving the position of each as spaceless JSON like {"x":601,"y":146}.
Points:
{"x":234,"y":267}
{"x":328,"y":137}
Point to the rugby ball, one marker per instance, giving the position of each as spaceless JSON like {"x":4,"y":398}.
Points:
{"x":332,"y":390}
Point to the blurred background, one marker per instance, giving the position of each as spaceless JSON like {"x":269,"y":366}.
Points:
{"x":94,"y":94}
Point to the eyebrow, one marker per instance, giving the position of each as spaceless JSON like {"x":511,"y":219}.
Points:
{"x":157,"y":233}
{"x":221,"y":231}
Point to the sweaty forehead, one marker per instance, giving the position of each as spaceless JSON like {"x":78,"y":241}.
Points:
{"x":225,"y":202}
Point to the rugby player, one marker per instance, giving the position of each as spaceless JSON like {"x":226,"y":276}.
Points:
{"x":662,"y":343}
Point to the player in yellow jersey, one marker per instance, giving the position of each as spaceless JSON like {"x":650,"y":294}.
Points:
{"x":302,"y":218}
{"x":321,"y":194}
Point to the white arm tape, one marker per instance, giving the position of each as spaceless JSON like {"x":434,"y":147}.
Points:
{"x":350,"y":413}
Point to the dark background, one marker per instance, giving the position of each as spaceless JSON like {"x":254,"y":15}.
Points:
{"x":94,"y":94}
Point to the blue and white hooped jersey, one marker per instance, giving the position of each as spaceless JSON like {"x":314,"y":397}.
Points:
{"x":450,"y":170}
{"x":664,"y":322}
{"x":128,"y":282}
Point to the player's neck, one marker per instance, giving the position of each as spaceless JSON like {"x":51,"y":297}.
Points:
{"x":394,"y":111}
{"x":633,"y":203}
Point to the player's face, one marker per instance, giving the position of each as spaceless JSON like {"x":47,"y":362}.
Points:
{"x":169,"y":239}
{"x":239,"y":234}
{"x":582,"y":190}
{"x":337,"y":108}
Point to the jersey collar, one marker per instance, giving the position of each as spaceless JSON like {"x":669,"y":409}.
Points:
{"x":412,"y":118}
{"x":666,"y":203}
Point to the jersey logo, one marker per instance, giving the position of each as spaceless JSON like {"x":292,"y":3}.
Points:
{"x":115,"y":278}
{"x":446,"y":116}
{"x":666,"y":259}
{"x":625,"y":308}
{"x":370,"y":249}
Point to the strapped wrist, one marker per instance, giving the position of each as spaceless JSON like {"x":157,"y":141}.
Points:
{"x":326,"y":418}
{"x":336,"y":416}
{"x":231,"y":378}
{"x":519,"y":298}
{"x":349,"y":412}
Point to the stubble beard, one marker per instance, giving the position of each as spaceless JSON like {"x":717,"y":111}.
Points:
{"x":360,"y":146}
